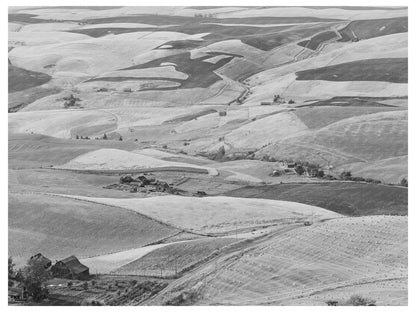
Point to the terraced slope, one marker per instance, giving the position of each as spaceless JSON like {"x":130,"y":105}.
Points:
{"x":298,"y":264}
{"x":59,"y":227}
{"x":362,"y":138}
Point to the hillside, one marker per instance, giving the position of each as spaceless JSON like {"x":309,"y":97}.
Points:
{"x":353,"y":199}
{"x":294,"y":266}
{"x":59,"y":227}
{"x":210,"y":155}
{"x":218,"y":214}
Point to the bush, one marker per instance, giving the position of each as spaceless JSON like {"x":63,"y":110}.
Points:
{"x":126,"y":179}
{"x":345,"y":175}
{"x":291,"y":101}
{"x":370,"y":180}
{"x":357,"y":300}
{"x":299,"y":170}
{"x":403,"y":182}
{"x":357,"y":179}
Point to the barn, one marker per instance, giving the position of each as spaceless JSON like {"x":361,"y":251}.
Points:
{"x":39,"y":258}
{"x":71,"y":268}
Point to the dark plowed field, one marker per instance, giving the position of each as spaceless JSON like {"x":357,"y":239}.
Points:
{"x":351,"y":199}
{"x":383,"y":69}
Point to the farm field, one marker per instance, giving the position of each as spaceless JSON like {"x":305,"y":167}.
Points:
{"x":221,"y":214}
{"x":299,"y":263}
{"x":365,"y":29}
{"x":390,"y":70}
{"x":59,"y":227}
{"x":174,"y":258}
{"x":21,"y":79}
{"x":211,"y":155}
{"x":114,"y":159}
{"x":356,"y":139}
{"x":353,"y":199}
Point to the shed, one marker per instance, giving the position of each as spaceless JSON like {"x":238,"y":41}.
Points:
{"x":17,"y":293}
{"x":71,"y":268}
{"x":39,"y":258}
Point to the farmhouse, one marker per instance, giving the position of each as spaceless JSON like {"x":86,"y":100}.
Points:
{"x":70,"y":268}
{"x":39,"y":258}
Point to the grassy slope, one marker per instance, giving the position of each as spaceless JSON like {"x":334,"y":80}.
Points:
{"x":217,"y":214}
{"x":353,"y":199}
{"x":318,"y":117}
{"x":64,"y":182}
{"x":389,"y":170}
{"x":386,"y":69}
{"x":20,"y":99}
{"x":174,"y":258}
{"x":361,"y":138}
{"x":310,"y":260}
{"x":33,"y":151}
{"x":59,"y":227}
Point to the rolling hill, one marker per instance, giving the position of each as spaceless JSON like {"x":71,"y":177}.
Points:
{"x":211,"y":101}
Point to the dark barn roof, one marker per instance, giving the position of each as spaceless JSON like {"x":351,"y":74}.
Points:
{"x":74,"y":265}
{"x":42,"y":259}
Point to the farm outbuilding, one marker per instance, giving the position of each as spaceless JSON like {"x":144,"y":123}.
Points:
{"x":39,"y":258}
{"x":71,"y":268}
{"x":17,"y":294}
